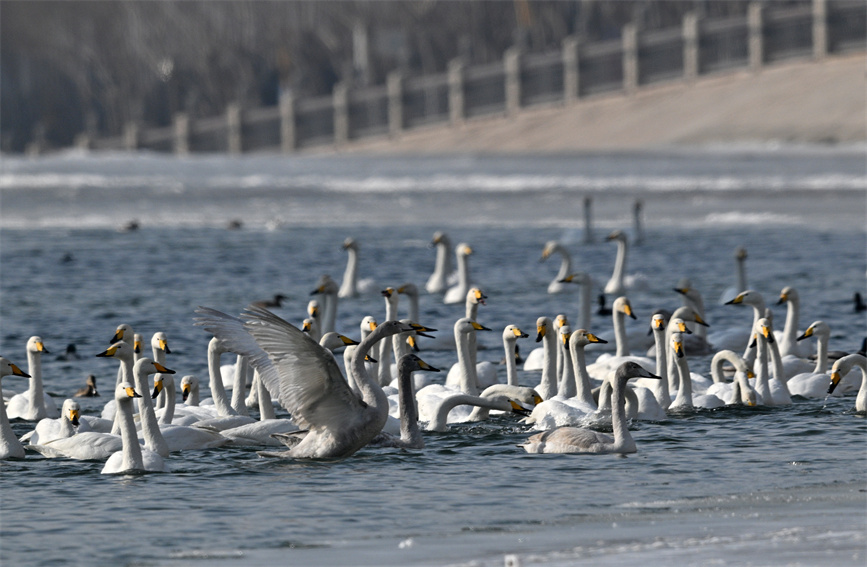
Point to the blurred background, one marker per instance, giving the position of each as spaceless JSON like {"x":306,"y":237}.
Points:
{"x":144,"y":74}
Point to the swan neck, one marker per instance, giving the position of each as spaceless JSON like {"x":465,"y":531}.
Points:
{"x":350,"y":275}
{"x":620,"y":333}
{"x":463,"y":271}
{"x":622,"y":437}
{"x":409,"y":430}
{"x":619,"y":263}
{"x":511,"y":366}
{"x":218,"y":392}
{"x":149,"y":426}
{"x":548,"y":385}
{"x":370,"y":391}
{"x":440,"y":420}
{"x":821,"y":355}
{"x":239,"y":390}
{"x":583,"y":387}
{"x":465,"y":364}
{"x":790,"y":330}
{"x":684,"y":393}
{"x":35,"y":389}
{"x":132,"y":457}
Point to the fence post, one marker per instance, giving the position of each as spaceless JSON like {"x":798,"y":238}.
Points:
{"x":820,"y":29}
{"x":394,"y":88}
{"x":341,"y":113}
{"x":131,"y":136}
{"x":182,"y":134}
{"x":571,"y":76}
{"x":457,"y":110}
{"x":630,"y":58}
{"x":512,"y":67}
{"x":288,"y":140}
{"x":756,"y":41}
{"x":234,"y":143}
{"x":690,"y":47}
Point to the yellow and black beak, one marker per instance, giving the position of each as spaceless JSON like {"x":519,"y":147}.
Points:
{"x":185,"y":391}
{"x":17,"y":371}
{"x":40,"y":346}
{"x":567,"y":279}
{"x":368,"y":358}
{"x":681,"y":326}
{"x":118,"y":336}
{"x":835,"y":379}
{"x":130,"y":392}
{"x":163,"y":369}
{"x":109,"y":352}
{"x":372,"y":325}
{"x":807,"y":334}
{"x":479,"y":327}
{"x":306,"y":327}
{"x":737,"y":300}
{"x":387,"y":292}
{"x":73,"y":416}
{"x":537,"y":399}
{"x":628,"y":310}
{"x":594,"y":339}
{"x":480,"y":297}
{"x":164,"y":346}
{"x":137,"y":347}
{"x":566,"y":339}
{"x":766,"y":331}
{"x":158,"y":387}
{"x":413,"y":344}
{"x":519,"y":333}
{"x":699,"y":320}
{"x":678,"y":349}
{"x":425,"y":366}
{"x":518,"y":408}
{"x":347,"y":341}
{"x":540,"y":332}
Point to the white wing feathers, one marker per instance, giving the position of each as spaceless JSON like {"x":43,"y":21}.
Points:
{"x":308,"y":381}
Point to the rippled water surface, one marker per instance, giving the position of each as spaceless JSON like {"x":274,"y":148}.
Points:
{"x":733,"y":486}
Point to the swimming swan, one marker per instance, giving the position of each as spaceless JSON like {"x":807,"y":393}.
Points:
{"x":132,"y":458}
{"x":558,"y":284}
{"x":50,"y":429}
{"x":619,"y":281}
{"x":580,"y":440}
{"x":439,"y":279}
{"x":34,"y":404}
{"x":841,"y":367}
{"x":458,"y":293}
{"x":10,"y":446}
{"x":352,"y":286}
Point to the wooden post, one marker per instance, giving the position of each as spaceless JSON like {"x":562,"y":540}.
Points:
{"x":690,"y":47}
{"x":394,"y":88}
{"x":820,"y":29}
{"x":234,"y":141}
{"x":131,"y":136}
{"x":182,"y":134}
{"x":512,"y":67}
{"x":341,"y":114}
{"x":630,"y":58}
{"x":756,"y":41}
{"x":571,"y":71}
{"x":288,"y":139}
{"x":457,"y":110}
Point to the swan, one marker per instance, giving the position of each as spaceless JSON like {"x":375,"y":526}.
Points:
{"x":411,"y":292}
{"x":34,"y":404}
{"x":314,"y":328}
{"x":439,"y":279}
{"x":160,"y":348}
{"x":685,"y":400}
{"x":464,"y":375}
{"x":547,"y":387}
{"x":440,"y":416}
{"x":580,"y":440}
{"x":692,"y":298}
{"x":89,"y":390}
{"x":50,"y":429}
{"x":660,"y":388}
{"x":190,"y":390}
{"x":386,"y":347}
{"x":737,"y":338}
{"x":739,"y":391}
{"x":132,"y":458}
{"x":607,"y":363}
{"x":770,"y":392}
{"x":841,"y":368}
{"x":536,"y":359}
{"x":410,"y":434}
{"x":557,"y":285}
{"x":677,"y":323}
{"x":814,"y":384}
{"x":566,"y":374}
{"x":10,"y":446}
{"x":511,"y":334}
{"x":308,"y":381}
{"x":138,"y":347}
{"x":585,"y":301}
{"x":352,"y":286}
{"x":619,"y":281}
{"x":788,"y":342}
{"x":328,"y":289}
{"x":741,"y":273}
{"x":458,"y":293}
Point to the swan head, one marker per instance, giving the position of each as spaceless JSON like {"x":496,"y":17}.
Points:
{"x":583,"y":337}
{"x":679,"y":325}
{"x":578,"y":278}
{"x":622,"y":305}
{"x":467,"y":325}
{"x":325,"y":285}
{"x":148,"y":366}
{"x":123,"y":333}
{"x":35,"y":345}
{"x":137,"y":343}
{"x":513,"y":333}
{"x":677,"y":344}
{"x":740,"y":253}
{"x":188,"y":384}
{"x":788,"y":294}
{"x":409,"y":289}
{"x":125,"y":392}
{"x":819,"y":328}
{"x":617,"y":235}
{"x":550,"y":247}
{"x":542,"y":324}
{"x":476,"y":296}
{"x":333,"y":341}
{"x":657,"y":323}
{"x":71,"y":411}
{"x":748,"y":297}
{"x":161,"y":382}
{"x":160,"y":342}
{"x":410,"y":363}
{"x":313,"y":308}
{"x":560,"y":321}
{"x":463,"y":249}
{"x":350,"y":244}
{"x":307,"y":325}
{"x":119,"y":350}
{"x":631,"y":369}
{"x":9,"y":369}
{"x":842,"y":366}
{"x":564,"y":333}
{"x":763,"y":326}
{"x":439,"y":237}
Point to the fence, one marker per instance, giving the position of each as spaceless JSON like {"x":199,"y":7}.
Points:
{"x":767,"y":34}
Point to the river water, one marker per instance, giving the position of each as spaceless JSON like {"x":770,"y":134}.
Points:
{"x":754,"y":486}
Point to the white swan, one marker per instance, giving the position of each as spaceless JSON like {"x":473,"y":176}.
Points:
{"x":308,"y":381}
{"x":585,"y":298}
{"x":411,"y":292}
{"x":352,"y":286}
{"x":558,"y":284}
{"x":50,"y":429}
{"x":160,"y":348}
{"x":619,"y":281}
{"x":660,"y":388}
{"x":547,"y":387}
{"x":771,"y":392}
{"x":684,"y":399}
{"x":10,"y":446}
{"x":328,"y":289}
{"x":841,"y":368}
{"x":439,"y":279}
{"x":606,"y":363}
{"x":738,"y":338}
{"x":463,"y":374}
{"x":788,"y":341}
{"x":34,"y":404}
{"x":511,"y":334}
{"x":692,"y":298}
{"x":738,"y":391}
{"x":741,"y":274}
{"x":132,"y":458}
{"x":580,"y":440}
{"x":458,"y":293}
{"x":814,"y":384}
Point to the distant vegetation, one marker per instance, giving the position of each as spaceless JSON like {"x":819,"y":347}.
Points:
{"x":74,"y":66}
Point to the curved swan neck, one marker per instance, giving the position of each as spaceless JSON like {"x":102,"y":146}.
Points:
{"x":443,"y":265}
{"x":565,"y":263}
{"x":218,"y":392}
{"x":821,"y":354}
{"x":169,"y":389}
{"x":350,"y":275}
{"x":465,"y":363}
{"x":440,"y":420}
{"x":370,"y":391}
{"x":619,"y":267}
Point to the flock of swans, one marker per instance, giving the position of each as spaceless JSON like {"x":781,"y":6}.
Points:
{"x":377,"y":403}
